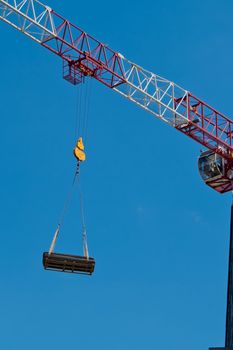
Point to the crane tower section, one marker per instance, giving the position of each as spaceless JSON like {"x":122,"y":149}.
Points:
{"x":83,"y":56}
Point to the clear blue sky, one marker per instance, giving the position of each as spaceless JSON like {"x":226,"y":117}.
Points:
{"x":158,"y":234}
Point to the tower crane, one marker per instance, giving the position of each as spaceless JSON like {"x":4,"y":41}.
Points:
{"x":84,"y":56}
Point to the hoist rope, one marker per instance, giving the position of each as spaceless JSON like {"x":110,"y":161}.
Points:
{"x":86,"y":119}
{"x":82,"y":109}
{"x":76,"y":114}
{"x":85,"y":109}
{"x":78,"y":111}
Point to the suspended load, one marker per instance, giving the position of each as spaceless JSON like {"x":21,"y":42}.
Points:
{"x":67,"y":262}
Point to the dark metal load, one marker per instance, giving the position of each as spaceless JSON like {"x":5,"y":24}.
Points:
{"x":68,"y":263}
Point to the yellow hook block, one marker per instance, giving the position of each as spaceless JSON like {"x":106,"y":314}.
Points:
{"x":79,"y":150}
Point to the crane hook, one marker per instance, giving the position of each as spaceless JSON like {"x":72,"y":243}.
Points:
{"x":79,"y":150}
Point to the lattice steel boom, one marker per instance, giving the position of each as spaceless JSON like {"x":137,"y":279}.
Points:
{"x":83,"y":56}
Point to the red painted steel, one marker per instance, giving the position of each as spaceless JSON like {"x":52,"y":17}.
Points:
{"x":85,"y":55}
{"x":221,"y":185}
{"x":208,"y":127}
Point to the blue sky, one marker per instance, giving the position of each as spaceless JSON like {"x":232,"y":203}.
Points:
{"x":158,"y":234}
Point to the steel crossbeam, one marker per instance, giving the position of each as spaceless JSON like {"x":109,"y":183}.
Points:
{"x":85,"y":56}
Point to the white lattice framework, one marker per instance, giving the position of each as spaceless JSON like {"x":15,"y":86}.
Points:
{"x":30,"y":17}
{"x":85,"y":56}
{"x":153,"y":93}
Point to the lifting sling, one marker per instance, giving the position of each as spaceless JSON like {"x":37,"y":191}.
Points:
{"x":65,"y":262}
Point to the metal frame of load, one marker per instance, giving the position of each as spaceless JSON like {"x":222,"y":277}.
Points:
{"x":68,"y":263}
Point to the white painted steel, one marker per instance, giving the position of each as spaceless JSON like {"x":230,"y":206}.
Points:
{"x":148,"y":90}
{"x":30,"y":17}
{"x":153,"y":93}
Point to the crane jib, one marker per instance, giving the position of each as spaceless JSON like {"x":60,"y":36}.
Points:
{"x":84,"y":56}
